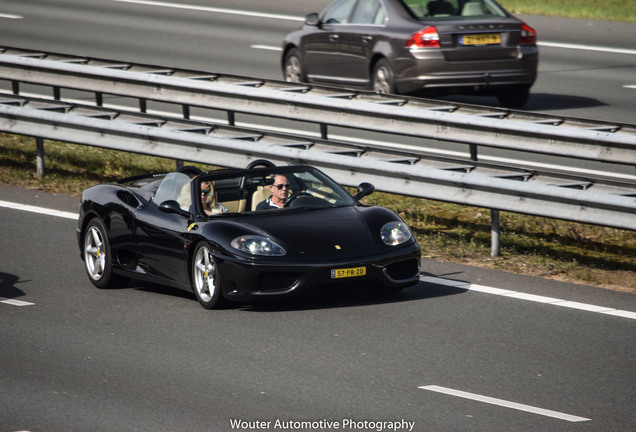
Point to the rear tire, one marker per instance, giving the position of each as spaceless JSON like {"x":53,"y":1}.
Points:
{"x":98,"y":259}
{"x":382,"y":80}
{"x":206,"y":281}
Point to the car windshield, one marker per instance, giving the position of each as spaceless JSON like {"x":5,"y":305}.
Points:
{"x":242,"y":191}
{"x":426,"y":10}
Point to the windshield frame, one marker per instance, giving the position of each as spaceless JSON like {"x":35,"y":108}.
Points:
{"x":236,"y":189}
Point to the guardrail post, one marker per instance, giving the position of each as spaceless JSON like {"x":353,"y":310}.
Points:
{"x":39,"y":157}
{"x":473,"y":152}
{"x":495,"y":246}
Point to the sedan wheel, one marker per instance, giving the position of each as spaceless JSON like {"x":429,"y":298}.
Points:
{"x":205,"y":278}
{"x":97,"y":256}
{"x":293,"y":70}
{"x":382,"y":80}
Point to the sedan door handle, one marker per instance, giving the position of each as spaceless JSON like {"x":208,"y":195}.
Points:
{"x":334,"y":37}
{"x":367,"y":39}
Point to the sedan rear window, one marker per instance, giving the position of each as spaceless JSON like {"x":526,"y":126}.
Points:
{"x":426,"y":9}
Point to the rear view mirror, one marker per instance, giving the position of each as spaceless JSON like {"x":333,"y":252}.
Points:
{"x":312,"y":19}
{"x":173,"y":206}
{"x":364,"y":189}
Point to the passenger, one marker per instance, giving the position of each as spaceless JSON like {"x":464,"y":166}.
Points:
{"x":208,"y":199}
{"x":280,"y":193}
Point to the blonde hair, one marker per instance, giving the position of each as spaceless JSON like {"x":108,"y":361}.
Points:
{"x":210,"y":199}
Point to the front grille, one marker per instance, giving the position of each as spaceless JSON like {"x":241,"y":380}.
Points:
{"x":403,"y":269}
{"x":272,"y":282}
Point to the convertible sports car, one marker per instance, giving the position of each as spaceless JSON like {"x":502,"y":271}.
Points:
{"x":322,"y":241}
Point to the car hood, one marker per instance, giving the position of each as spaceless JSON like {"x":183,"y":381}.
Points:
{"x":338,"y":233}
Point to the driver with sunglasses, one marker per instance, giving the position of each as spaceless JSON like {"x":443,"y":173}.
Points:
{"x":280,"y":193}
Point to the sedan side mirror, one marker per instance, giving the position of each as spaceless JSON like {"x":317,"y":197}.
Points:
{"x":172,"y":206}
{"x":364,"y":189}
{"x":312,"y":19}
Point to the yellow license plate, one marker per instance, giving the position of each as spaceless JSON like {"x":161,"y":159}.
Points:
{"x":348,"y":272}
{"x":481,"y":39}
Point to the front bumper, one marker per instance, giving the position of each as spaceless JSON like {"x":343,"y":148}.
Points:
{"x":254,"y":280}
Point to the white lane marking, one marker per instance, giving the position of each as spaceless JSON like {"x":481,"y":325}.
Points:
{"x":267,"y":47}
{"x":587,"y":48}
{"x":10,"y":16}
{"x":15,"y":302}
{"x":39,"y":210}
{"x":213,"y":10}
{"x":529,"y":297}
{"x":630,"y":86}
{"x":505,"y":403}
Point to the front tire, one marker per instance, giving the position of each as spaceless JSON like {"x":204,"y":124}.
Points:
{"x":292,"y":67}
{"x":206,"y":282}
{"x":98,"y":259}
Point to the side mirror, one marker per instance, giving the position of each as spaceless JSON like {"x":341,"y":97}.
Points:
{"x":171,"y":206}
{"x":312,"y":19}
{"x":364,"y":189}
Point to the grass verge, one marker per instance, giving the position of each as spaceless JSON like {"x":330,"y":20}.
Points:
{"x":604,"y":257}
{"x":609,"y":10}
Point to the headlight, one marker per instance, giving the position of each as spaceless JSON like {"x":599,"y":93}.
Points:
{"x":257,"y":245}
{"x":395,"y":233}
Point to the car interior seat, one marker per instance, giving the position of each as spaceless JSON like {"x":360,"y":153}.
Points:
{"x":260,"y":194}
{"x":440,"y":8}
{"x":472,"y":9}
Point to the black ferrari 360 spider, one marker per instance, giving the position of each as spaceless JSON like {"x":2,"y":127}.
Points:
{"x":203,"y":232}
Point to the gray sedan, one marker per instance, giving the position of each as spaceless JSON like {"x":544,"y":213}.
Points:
{"x":415,"y":47}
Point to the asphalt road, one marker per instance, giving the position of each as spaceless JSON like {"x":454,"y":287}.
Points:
{"x":149,"y":358}
{"x":595,"y":78}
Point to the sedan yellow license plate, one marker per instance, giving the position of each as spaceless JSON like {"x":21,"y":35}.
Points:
{"x":348,"y":272}
{"x":481,"y":39}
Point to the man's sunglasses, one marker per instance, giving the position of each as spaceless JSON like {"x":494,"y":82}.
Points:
{"x":282,"y":185}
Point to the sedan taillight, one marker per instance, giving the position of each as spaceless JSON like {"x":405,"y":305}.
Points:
{"x":528,"y":35}
{"x":427,"y":38}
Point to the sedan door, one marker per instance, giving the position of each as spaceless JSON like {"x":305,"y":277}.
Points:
{"x":323,"y":52}
{"x":358,"y":40}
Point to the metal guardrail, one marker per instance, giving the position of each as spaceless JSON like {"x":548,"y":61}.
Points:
{"x":528,"y":132}
{"x":405,"y":172}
